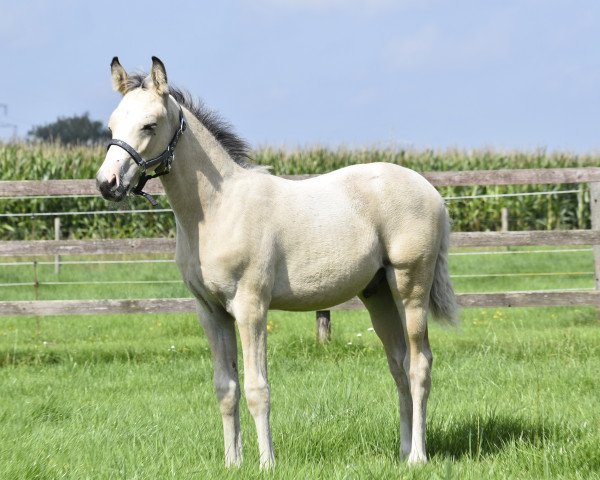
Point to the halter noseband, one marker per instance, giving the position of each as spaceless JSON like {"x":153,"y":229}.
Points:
{"x":164,"y":160}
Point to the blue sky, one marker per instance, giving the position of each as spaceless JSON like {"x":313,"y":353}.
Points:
{"x":430,"y":73}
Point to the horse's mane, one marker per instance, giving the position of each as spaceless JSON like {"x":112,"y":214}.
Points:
{"x":236,"y":147}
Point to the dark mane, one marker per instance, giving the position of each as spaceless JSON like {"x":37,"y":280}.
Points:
{"x":236,"y":147}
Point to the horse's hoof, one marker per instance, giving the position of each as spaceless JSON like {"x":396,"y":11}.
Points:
{"x":233,"y":463}
{"x":267,"y":466}
{"x":417,"y":459}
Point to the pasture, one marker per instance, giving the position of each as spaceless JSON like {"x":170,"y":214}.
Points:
{"x":515,"y":391}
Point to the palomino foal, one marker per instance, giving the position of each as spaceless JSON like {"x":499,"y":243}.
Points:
{"x":248,"y":242}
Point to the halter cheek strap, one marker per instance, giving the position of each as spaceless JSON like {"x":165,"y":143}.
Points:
{"x":163,"y":161}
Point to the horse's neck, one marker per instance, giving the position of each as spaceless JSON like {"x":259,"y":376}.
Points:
{"x":200,"y":167}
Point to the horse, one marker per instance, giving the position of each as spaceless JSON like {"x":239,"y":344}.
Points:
{"x":248,"y":241}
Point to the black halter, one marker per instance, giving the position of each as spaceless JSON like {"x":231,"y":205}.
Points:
{"x":164,"y":160}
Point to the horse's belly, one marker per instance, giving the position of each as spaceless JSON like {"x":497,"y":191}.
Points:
{"x":313,"y":289}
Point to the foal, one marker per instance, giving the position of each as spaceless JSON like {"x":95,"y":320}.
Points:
{"x":248,"y":242}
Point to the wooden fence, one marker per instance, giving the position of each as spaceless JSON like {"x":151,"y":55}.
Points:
{"x":459,"y":239}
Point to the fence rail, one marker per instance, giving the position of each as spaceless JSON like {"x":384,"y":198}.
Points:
{"x":24,"y":188}
{"x":188,"y":305}
{"x":120,"y":246}
{"x":166,"y":246}
{"x":21,"y":248}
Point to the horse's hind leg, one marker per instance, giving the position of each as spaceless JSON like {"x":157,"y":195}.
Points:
{"x":410,"y":289}
{"x":388,"y":326}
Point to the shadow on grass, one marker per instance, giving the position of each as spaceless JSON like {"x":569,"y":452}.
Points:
{"x":478,"y":437}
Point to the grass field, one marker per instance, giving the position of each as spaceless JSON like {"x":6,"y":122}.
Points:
{"x":515,"y":391}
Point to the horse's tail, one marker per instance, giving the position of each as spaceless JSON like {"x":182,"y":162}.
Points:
{"x":442,"y":301}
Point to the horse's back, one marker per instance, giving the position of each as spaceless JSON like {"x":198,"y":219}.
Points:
{"x":391,"y":199}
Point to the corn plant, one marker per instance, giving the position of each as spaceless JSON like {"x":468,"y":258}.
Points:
{"x":43,"y":161}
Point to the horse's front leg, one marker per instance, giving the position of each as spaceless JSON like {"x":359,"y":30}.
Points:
{"x":220,"y":331}
{"x":250,"y":312}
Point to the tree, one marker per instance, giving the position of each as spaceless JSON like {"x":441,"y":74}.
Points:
{"x":72,"y":130}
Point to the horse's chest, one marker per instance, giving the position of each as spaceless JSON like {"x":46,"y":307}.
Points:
{"x":208,"y":277}
{"x":192,"y":277}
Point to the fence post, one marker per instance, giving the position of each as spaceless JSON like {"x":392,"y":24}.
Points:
{"x":57,"y":237}
{"x":504,"y":219}
{"x":323,"y":326}
{"x":36,"y":281}
{"x":595,"y":217}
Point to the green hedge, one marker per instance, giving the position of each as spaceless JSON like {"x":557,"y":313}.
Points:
{"x":21,"y":161}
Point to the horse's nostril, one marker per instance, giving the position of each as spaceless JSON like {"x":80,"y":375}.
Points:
{"x":107,"y":187}
{"x":104,"y":188}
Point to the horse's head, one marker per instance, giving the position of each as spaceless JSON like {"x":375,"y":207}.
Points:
{"x":141,"y":127}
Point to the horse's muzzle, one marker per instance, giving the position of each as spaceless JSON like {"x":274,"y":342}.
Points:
{"x":110,"y":190}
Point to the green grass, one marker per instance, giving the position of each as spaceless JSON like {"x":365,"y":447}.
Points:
{"x":515,"y":396}
{"x":86,"y":274}
{"x":515,"y":391}
{"x":569,"y":269}
{"x":523,"y":268}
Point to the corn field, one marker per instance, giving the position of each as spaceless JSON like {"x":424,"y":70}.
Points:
{"x":28,"y":161}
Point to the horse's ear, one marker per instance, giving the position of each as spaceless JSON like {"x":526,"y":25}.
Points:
{"x":119,"y":76}
{"x":159,"y":76}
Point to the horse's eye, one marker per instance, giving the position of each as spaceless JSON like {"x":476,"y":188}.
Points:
{"x":149,"y":127}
